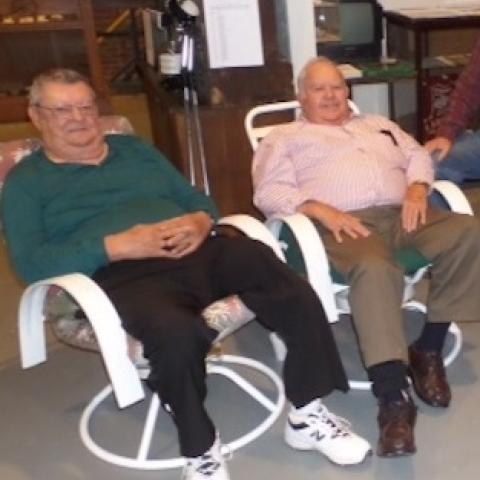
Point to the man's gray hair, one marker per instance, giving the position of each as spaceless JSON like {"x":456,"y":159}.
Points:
{"x":306,"y":67}
{"x":59,"y":75}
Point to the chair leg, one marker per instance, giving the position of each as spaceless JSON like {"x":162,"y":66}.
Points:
{"x":274,"y":407}
{"x":457,"y":344}
{"x":215,"y":365}
{"x":140,"y":461}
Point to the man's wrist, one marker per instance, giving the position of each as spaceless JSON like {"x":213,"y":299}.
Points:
{"x":113,"y":247}
{"x":424,"y":184}
{"x":420,"y":187}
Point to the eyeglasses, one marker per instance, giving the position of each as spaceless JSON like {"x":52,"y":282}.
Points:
{"x":67,"y":111}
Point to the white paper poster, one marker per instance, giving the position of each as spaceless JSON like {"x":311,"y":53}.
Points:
{"x":234,"y":37}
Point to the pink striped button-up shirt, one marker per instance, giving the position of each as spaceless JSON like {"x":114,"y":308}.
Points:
{"x":367,"y":161}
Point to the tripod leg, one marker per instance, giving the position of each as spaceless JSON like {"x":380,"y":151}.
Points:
{"x":189,"y":134}
{"x":201,"y":145}
{"x":195,"y":113}
{"x":187,"y":105}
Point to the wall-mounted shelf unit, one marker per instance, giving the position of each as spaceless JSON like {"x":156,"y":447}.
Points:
{"x":45,"y":34}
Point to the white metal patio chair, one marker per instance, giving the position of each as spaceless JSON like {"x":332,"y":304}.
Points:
{"x":125,"y":378}
{"x":298,"y":232}
{"x":101,"y":330}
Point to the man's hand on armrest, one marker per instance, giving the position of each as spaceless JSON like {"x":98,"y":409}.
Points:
{"x":335,"y":220}
{"x":172,"y":238}
{"x":414,"y":207}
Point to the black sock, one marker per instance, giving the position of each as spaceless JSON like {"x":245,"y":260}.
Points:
{"x":389,"y":380}
{"x":432,"y":337}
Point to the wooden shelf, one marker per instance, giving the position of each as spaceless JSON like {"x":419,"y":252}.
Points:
{"x":29,"y":48}
{"x":38,"y":27}
{"x":14,"y":109}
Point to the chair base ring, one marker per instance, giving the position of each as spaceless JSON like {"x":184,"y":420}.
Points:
{"x":215,"y":365}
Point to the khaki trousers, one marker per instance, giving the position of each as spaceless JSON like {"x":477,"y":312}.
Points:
{"x":450,"y":241}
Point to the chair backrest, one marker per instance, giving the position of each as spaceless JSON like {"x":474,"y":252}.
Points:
{"x":14,"y":151}
{"x":257,"y":128}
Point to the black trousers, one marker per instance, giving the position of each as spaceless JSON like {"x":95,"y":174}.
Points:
{"x":160,"y":303}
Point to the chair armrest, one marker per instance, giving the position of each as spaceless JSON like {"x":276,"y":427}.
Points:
{"x":314,"y":256}
{"x":105,"y":322}
{"x":454,"y":196}
{"x":254,"y":229}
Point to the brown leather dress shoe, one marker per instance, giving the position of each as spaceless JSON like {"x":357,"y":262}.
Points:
{"x":429,"y":377}
{"x":396,"y":422}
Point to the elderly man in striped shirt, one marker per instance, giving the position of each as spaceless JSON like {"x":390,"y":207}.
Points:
{"x":364,"y":183}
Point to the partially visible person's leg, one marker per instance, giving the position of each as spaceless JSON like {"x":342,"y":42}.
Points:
{"x":168,"y":322}
{"x":285,"y":303}
{"x":451,"y":241}
{"x":463,"y":161}
{"x":375,"y":296}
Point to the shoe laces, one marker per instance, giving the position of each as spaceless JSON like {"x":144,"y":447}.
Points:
{"x":206,"y":465}
{"x":339,"y":426}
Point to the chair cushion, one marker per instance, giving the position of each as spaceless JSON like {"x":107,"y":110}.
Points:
{"x":68,"y":322}
{"x":71,"y":326}
{"x":410,"y":259}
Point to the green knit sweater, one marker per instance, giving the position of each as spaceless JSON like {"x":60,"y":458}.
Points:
{"x":56,"y":216}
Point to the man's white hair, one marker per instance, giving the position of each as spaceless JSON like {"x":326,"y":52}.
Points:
{"x":60,"y":75}
{"x":303,"y":72}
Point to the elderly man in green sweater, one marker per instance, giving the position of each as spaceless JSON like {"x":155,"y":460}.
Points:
{"x":115,"y":209}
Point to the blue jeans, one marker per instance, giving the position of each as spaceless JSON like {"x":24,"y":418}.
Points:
{"x":463,"y":161}
{"x":460,"y":165}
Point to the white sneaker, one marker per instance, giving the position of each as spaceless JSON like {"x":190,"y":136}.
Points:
{"x":314,"y":427}
{"x":209,"y":466}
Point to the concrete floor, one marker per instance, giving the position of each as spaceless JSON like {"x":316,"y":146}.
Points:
{"x":40,"y":409}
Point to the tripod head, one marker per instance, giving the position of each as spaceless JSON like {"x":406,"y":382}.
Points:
{"x":184,"y":11}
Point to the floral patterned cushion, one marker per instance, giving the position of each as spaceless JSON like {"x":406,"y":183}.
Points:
{"x":70,"y":325}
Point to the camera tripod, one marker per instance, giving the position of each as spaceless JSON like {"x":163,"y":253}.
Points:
{"x":194,"y":133}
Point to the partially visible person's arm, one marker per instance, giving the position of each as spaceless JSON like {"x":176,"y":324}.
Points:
{"x":414,"y":206}
{"x":420,"y":175}
{"x":418,"y":163}
{"x":33,"y":255}
{"x":335,"y":220}
{"x":173,"y":238}
{"x":464,"y":103}
{"x":439,"y":147}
